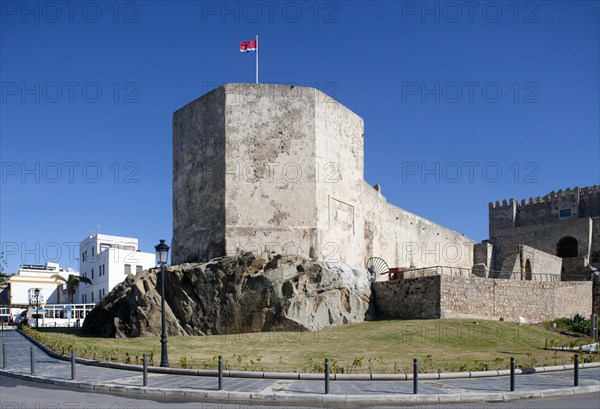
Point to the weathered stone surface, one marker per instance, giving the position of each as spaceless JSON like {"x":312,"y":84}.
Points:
{"x":267,"y":168}
{"x":416,"y":298}
{"x":564,"y":223}
{"x":445,"y":296}
{"x":235,"y":294}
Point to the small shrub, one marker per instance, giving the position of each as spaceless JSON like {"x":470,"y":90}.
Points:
{"x":576,"y":324}
{"x":357,"y":363}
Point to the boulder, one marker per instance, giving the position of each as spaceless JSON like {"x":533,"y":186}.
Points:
{"x":235,"y":295}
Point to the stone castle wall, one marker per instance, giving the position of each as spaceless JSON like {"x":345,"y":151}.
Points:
{"x":414,"y":298}
{"x":544,"y":237}
{"x":581,"y":202}
{"x":285,"y":174}
{"x":510,"y":299}
{"x":454,"y":297}
{"x":526,"y":263}
{"x":198,"y":181}
{"x":595,"y":254}
{"x":549,"y":224}
{"x":270,"y":190}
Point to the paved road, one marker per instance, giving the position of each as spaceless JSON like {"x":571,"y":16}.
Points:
{"x":20,"y":394}
{"x":46,"y":366}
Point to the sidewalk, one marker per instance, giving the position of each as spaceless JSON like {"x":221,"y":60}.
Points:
{"x":244,"y":390}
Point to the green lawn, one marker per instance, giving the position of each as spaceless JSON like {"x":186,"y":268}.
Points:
{"x":376,"y":346}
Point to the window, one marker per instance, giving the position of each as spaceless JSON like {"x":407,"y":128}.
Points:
{"x":99,"y":294}
{"x":565,"y":213}
{"x":138,"y":269}
{"x":92,"y":274}
{"x":127,"y":268}
{"x":93,"y":251}
{"x":92,"y":296}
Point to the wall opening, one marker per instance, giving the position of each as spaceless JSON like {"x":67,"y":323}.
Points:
{"x":567,"y":247}
{"x":528,"y":270}
{"x":565,"y":213}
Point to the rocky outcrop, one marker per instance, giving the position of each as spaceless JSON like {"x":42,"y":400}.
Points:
{"x":234,"y":295}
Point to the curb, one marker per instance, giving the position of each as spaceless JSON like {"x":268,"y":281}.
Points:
{"x":309,"y":376}
{"x":309,"y":398}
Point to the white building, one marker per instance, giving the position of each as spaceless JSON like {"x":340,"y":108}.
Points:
{"x":107,"y":260}
{"x":51,"y":295}
{"x":29,"y":277}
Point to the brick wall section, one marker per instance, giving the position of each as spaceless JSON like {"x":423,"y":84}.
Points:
{"x":413,"y":298}
{"x":510,"y":299}
{"x":447,"y":296}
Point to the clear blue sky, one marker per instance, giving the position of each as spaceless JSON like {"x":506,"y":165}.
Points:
{"x":502,"y":86}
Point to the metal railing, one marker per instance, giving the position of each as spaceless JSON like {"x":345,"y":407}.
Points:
{"x":482,"y":273}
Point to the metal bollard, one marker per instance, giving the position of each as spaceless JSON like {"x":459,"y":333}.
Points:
{"x":326,"y":375}
{"x":73,"y":364}
{"x":594,"y":327}
{"x":415,"y":376}
{"x":32,"y":358}
{"x":3,"y":356}
{"x":220,"y":363}
{"x":145,"y":370}
{"x":512,"y":374}
{"x":576,"y":370}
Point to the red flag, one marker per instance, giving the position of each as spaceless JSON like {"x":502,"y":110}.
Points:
{"x":247,"y":46}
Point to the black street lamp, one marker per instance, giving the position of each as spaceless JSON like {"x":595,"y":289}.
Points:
{"x":162,"y":252}
{"x":37,"y":307}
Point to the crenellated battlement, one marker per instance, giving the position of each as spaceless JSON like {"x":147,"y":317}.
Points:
{"x":556,"y":205}
{"x":506,"y":203}
{"x":576,"y":194}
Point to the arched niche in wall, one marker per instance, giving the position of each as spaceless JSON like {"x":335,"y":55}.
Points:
{"x":567,"y":247}
{"x":528,"y":274}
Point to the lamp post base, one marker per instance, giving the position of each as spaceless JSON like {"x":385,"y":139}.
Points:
{"x":164,"y":359}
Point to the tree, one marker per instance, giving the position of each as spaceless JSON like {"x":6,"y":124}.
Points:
{"x":3,"y":276}
{"x":72,"y":283}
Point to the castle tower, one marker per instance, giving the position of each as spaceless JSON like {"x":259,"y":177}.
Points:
{"x":564,"y":224}
{"x":278,"y":168}
{"x":249,"y":162}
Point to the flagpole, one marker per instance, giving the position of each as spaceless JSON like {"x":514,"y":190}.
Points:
{"x":257,"y":58}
